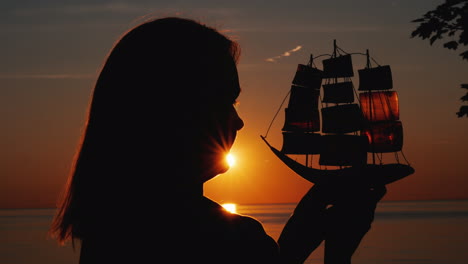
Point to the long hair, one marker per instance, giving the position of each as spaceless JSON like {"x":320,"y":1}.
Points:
{"x":152,"y":95}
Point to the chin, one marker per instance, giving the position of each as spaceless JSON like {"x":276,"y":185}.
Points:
{"x":215,"y":172}
{"x":225,"y":169}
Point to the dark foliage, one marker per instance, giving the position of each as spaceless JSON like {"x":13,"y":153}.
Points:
{"x":448,"y":20}
{"x":464,"y":108}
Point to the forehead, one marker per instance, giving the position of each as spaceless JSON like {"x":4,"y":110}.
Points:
{"x":233,"y":78}
{"x":227,"y":79}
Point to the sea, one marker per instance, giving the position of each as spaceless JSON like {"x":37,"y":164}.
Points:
{"x":403,"y":232}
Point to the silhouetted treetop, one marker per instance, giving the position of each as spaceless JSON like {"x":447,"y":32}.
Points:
{"x":449,"y":19}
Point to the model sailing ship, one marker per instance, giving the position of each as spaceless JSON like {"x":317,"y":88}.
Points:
{"x":349,"y":133}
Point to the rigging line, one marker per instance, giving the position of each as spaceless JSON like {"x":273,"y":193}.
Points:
{"x":320,"y":96}
{"x":311,"y":160}
{"x":380,"y":157}
{"x":359,"y":53}
{"x":356,"y":94}
{"x":352,"y":53}
{"x":338,"y":52}
{"x":397,"y":158}
{"x":375,"y":61}
{"x":338,"y":48}
{"x":403,"y":154}
{"x":271,"y":123}
{"x":329,"y":55}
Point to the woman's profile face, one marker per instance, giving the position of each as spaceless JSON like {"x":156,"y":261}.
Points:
{"x":221,"y":136}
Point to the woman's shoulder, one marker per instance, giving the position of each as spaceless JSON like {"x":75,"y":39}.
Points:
{"x":234,"y":218}
{"x":243,"y":226}
{"x":245,"y":234}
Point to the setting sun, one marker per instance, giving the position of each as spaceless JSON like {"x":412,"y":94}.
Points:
{"x":231,"y":160}
{"x":230,"y":207}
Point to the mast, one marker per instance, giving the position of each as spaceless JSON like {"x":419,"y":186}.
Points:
{"x":379,"y":104}
{"x":368,"y":65}
{"x":310,"y":64}
{"x":341,"y":117}
{"x":334,"y":55}
{"x":302,"y":118}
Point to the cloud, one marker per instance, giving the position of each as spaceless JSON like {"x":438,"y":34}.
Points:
{"x":285,"y":54}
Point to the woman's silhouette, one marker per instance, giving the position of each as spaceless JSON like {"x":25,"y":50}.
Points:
{"x":161,"y":120}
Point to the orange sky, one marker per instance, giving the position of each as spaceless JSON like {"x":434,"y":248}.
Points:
{"x":52,"y":52}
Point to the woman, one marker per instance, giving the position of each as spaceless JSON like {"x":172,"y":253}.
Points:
{"x":161,"y":120}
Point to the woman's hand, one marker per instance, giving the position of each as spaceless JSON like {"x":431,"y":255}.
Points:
{"x":337,"y":214}
{"x":349,"y":218}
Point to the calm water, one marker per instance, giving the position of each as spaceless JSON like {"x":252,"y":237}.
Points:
{"x":423,"y":232}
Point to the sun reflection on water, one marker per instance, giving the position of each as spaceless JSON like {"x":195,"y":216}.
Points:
{"x":230,"y":207}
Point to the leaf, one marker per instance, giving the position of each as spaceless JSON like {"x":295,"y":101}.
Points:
{"x":451,"y":45}
{"x":463,"y":111}
{"x":463,"y":38}
{"x":464,"y":98}
{"x":464,"y":55}
{"x":425,"y":30}
{"x":434,"y":38}
{"x":418,"y":20}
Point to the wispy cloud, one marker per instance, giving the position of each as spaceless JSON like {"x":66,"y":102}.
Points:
{"x":285,"y":54}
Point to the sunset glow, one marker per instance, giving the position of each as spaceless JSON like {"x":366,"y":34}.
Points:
{"x":45,"y":98}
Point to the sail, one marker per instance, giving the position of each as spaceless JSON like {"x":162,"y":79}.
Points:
{"x":342,"y":92}
{"x":343,"y":150}
{"x":385,"y":136}
{"x":337,"y":67}
{"x":302,"y":112}
{"x":380,"y":106}
{"x":301,"y":143}
{"x":344,"y":118}
{"x":377,"y":78}
{"x":308,"y":76}
{"x":303,"y":97}
{"x":381,"y":110}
